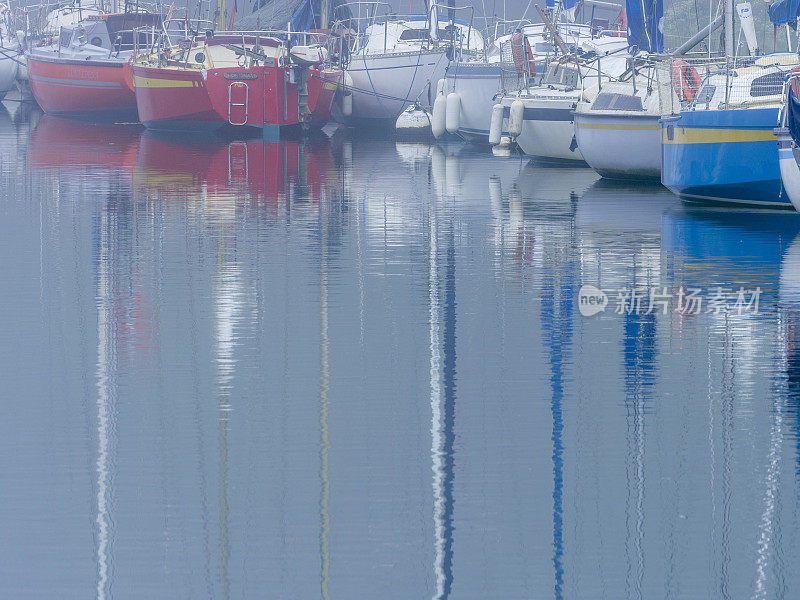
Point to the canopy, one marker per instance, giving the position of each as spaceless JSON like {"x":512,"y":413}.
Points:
{"x":275,"y":14}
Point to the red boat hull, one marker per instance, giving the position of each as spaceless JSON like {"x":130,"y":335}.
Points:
{"x":261,"y":97}
{"x":81,"y":87}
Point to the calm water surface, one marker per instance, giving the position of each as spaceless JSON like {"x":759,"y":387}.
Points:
{"x":358,"y":369}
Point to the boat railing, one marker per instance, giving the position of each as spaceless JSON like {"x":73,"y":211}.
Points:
{"x":364,"y":16}
{"x":247,"y":44}
{"x":792,"y":80}
{"x":502,"y":27}
{"x":703,"y":83}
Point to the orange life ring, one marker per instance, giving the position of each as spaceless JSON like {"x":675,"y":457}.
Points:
{"x":522,"y":55}
{"x":685,"y":80}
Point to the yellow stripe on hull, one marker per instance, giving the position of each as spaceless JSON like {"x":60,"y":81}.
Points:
{"x":686,"y":135}
{"x":157,"y":82}
{"x":616,"y":126}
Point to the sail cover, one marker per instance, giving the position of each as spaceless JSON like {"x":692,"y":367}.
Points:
{"x":276,"y":14}
{"x":784,"y":11}
{"x":644,"y":24}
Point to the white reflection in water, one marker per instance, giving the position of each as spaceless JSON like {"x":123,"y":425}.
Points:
{"x":437,"y":442}
{"x":105,"y":423}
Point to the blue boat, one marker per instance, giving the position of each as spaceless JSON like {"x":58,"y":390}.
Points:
{"x":720,"y":147}
{"x":723,"y":156}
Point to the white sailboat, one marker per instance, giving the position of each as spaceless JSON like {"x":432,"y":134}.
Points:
{"x":478,"y":81}
{"x":10,"y":52}
{"x":397,"y":61}
{"x":540,"y":117}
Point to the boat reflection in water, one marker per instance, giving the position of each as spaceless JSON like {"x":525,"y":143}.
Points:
{"x":156,"y":166}
{"x":310,"y":362}
{"x":169,"y":165}
{"x":710,"y":248}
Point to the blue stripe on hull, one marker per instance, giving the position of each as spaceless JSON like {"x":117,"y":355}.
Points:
{"x":725,"y":172}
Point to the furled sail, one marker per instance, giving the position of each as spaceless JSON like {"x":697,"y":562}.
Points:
{"x":644,"y":24}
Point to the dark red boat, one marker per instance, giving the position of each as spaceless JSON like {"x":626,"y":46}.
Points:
{"x":235,"y":81}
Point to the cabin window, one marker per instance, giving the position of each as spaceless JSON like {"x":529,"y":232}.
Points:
{"x":64,"y":38}
{"x":543,"y":48}
{"x":421,"y":34}
{"x":705,"y":95}
{"x":559,"y":75}
{"x":607,"y":101}
{"x":767,"y":85}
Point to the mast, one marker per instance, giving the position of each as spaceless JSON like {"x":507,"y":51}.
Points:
{"x":727,"y":14}
{"x":728,"y":29}
{"x":324,"y":14}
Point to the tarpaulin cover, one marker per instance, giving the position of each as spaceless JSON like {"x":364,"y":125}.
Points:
{"x":784,"y":11}
{"x":644,"y":24}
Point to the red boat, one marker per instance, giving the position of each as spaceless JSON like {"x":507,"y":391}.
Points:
{"x":234,"y":81}
{"x":82,"y":71}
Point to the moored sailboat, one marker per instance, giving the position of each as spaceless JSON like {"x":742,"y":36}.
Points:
{"x":513,"y":58}
{"x":397,"y":61}
{"x":235,"y":80}
{"x":540,"y":118}
{"x":81,"y":71}
{"x":617,"y":129}
{"x":721,"y":149}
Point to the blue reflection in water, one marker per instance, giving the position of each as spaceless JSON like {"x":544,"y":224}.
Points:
{"x":557,"y":306}
{"x":639,"y":351}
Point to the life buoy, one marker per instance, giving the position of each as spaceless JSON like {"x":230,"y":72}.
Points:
{"x":522,"y":55}
{"x":685,"y":80}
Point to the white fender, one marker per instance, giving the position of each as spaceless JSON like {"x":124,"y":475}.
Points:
{"x":414,"y":119}
{"x":347,"y":95}
{"x":790,"y":172}
{"x":441,"y":87}
{"x":347,"y":105}
{"x":515,"y":117}
{"x":496,"y":126}
{"x":453,"y":112}
{"x":439,"y":117}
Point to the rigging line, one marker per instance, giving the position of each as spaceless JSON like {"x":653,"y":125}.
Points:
{"x":5,"y":54}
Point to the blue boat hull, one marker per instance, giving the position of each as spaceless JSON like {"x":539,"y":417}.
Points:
{"x":723,"y":157}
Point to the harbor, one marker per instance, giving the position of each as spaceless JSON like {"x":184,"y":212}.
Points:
{"x":367,"y":300}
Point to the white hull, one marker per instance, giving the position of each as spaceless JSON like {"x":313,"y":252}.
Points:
{"x":620,"y":146}
{"x":8,"y":71}
{"x":789,"y":169}
{"x":385,"y":84}
{"x":547,"y":129}
{"x":477,"y":84}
